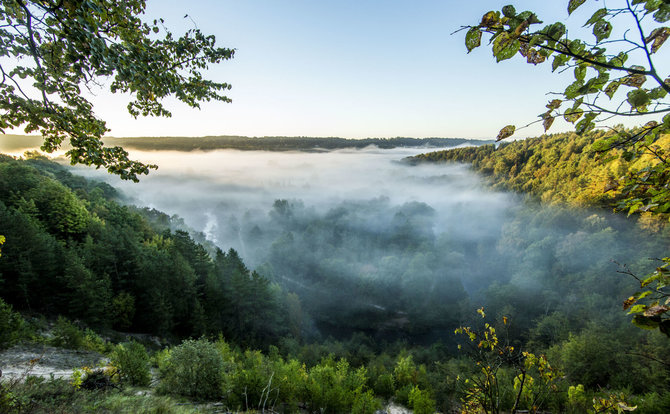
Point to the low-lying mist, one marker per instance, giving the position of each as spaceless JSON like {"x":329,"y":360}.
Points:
{"x":373,"y":244}
{"x":212,"y":190}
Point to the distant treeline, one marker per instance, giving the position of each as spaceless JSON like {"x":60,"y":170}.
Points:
{"x":14,"y":143}
{"x":281,"y":143}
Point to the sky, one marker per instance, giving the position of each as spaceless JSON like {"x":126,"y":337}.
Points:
{"x":352,"y":69}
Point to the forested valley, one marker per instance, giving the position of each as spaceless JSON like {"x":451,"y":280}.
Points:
{"x":346,"y":304}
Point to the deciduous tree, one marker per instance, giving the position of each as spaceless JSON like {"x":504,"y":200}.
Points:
{"x":51,"y":50}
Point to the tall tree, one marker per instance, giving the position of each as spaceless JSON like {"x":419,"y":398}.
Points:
{"x":57,"y":47}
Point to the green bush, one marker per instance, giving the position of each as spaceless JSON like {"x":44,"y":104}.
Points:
{"x":67,"y":335}
{"x":421,"y":402}
{"x":384,"y":386}
{"x":652,"y":403}
{"x":365,"y":403}
{"x":331,"y":386}
{"x":11,"y":326}
{"x":192,"y":369}
{"x":132,"y":361}
{"x":250,"y":381}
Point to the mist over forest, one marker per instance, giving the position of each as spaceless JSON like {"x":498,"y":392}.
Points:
{"x":372,"y":244}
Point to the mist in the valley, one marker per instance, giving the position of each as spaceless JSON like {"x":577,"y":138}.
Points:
{"x":372,"y":244}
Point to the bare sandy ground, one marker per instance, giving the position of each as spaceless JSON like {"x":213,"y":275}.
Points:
{"x":44,"y":361}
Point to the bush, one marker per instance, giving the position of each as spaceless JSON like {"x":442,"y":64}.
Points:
{"x":365,"y":403}
{"x":331,"y":386}
{"x":192,"y":369}
{"x":384,"y":386}
{"x":67,"y":334}
{"x":249,"y":381}
{"x":11,"y":326}
{"x":132,"y":361}
{"x":421,"y":401}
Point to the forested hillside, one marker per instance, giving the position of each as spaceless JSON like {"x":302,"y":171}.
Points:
{"x":556,"y":168}
{"x":73,"y":250}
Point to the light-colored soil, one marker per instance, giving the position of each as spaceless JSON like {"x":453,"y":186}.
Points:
{"x":44,"y":361}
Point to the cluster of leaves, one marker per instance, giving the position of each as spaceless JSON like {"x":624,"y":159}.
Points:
{"x":64,"y":46}
{"x":601,"y":69}
{"x":649,"y":306}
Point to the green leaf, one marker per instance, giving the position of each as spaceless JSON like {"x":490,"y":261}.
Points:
{"x":651,"y":5}
{"x":506,"y":132}
{"x":638,"y":100}
{"x":598,"y":15}
{"x":573,"y":4}
{"x":602,"y":30}
{"x":662,"y":15}
{"x":572,"y":91}
{"x":509,"y":11}
{"x":586,"y":124}
{"x":619,"y":59}
{"x":559,"y":60}
{"x":505,"y":47}
{"x":555,"y":31}
{"x":572,"y":115}
{"x":646,"y":323}
{"x":657,"y":93}
{"x":580,"y":73}
{"x":473,"y":38}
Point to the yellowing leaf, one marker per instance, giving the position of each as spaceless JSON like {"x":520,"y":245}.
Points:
{"x":548,"y":121}
{"x":628,"y":302}
{"x":656,"y":310}
{"x":554,"y":104}
{"x":490,"y":19}
{"x":505,"y":46}
{"x":506,"y":132}
{"x":658,"y":36}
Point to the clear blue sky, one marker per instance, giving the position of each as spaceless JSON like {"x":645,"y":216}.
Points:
{"x":350,"y":68}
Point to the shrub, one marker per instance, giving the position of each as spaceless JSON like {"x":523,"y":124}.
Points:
{"x":421,"y":401}
{"x":132,"y":361}
{"x":193,"y":369}
{"x":250,"y":381}
{"x":365,"y":403}
{"x":11,"y":325}
{"x":384,"y":386}
{"x":67,"y":334}
{"x":331,"y":386}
